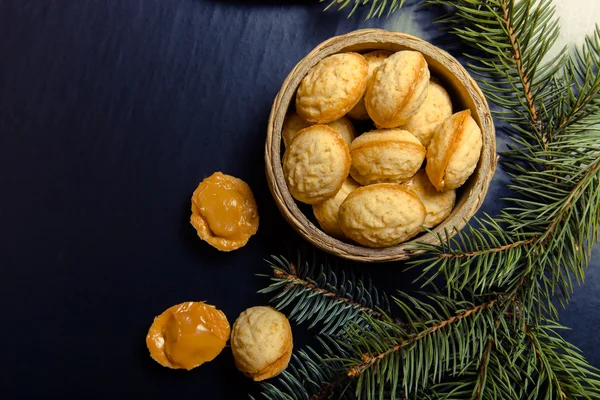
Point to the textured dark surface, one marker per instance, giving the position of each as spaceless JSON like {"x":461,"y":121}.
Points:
{"x":111,"y":112}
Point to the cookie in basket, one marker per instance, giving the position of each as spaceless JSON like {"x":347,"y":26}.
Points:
{"x":374,"y":59}
{"x":437,"y":204}
{"x":381,"y":215}
{"x":454,"y":151}
{"x":294,"y":123}
{"x":332,"y":88}
{"x":316,"y":164}
{"x":397,"y":89}
{"x":434,"y":110}
{"x":327,"y":212}
{"x":385,"y":155}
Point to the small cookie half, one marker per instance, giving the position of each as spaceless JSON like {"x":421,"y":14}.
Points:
{"x":374,"y":59}
{"x":397,"y":89}
{"x":316,"y":164}
{"x":454,"y":151}
{"x":294,"y":123}
{"x":385,"y":155}
{"x":261,"y":342}
{"x":381,"y":215}
{"x":437,"y":204}
{"x":434,"y":110}
{"x":224,"y":212}
{"x":332,"y":88}
{"x":328,"y":211}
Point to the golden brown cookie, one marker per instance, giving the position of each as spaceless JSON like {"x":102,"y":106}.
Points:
{"x":261,"y":342}
{"x":316,"y":164}
{"x":454,"y":151}
{"x":381,"y":215}
{"x":224,"y":212}
{"x":397,"y":89}
{"x":327,"y":212}
{"x":294,"y":123}
{"x":434,"y":110}
{"x":437,"y":204}
{"x":345,"y":128}
{"x":332,"y":88}
{"x":187,"y":335}
{"x":385,"y":155}
{"x":374,"y":60}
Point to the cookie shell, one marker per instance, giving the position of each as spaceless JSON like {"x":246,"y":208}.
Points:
{"x":261,"y":342}
{"x":385,"y":155}
{"x":327,"y":212}
{"x":294,"y":123}
{"x":316,"y":164}
{"x":434,"y":110}
{"x":454,"y":151}
{"x":437,"y":204}
{"x":239,"y":196}
{"x":381,"y":215}
{"x":332,"y":88}
{"x":397,"y":89}
{"x":374,"y":60}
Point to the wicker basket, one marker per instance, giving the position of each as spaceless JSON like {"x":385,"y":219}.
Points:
{"x":465,"y":95}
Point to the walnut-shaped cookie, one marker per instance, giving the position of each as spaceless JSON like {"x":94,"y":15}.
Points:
{"x":328,"y":211}
{"x":397,"y":89}
{"x":434,"y":110}
{"x":454,"y":151}
{"x":437,"y":204}
{"x":316,"y":164}
{"x":381,"y":215}
{"x":332,"y":88}
{"x":374,"y":60}
{"x":261,"y":342}
{"x":294,"y":123}
{"x":385,"y":155}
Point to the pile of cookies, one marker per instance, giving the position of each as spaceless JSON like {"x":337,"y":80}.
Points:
{"x":385,"y":186}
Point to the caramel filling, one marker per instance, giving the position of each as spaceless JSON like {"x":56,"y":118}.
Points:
{"x":188,"y":340}
{"x":188,"y":335}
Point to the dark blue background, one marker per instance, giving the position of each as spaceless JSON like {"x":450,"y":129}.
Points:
{"x":111,"y":112}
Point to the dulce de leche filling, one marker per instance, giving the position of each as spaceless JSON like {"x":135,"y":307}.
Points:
{"x":222,"y":208}
{"x":188,"y":335}
{"x":224,"y":211}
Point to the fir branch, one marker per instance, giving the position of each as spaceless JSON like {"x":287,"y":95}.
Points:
{"x":448,"y":333}
{"x":321,"y":295}
{"x":580,"y":84}
{"x":508,"y":41}
{"x":376,"y":7}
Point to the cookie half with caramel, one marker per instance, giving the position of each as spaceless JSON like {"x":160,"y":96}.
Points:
{"x":224,"y":212}
{"x":187,"y":335}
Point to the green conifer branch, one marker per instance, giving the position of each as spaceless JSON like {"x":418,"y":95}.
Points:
{"x":377,"y":8}
{"x":322,"y":295}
